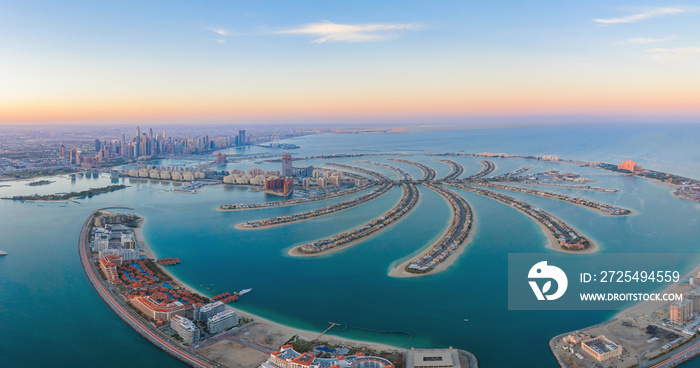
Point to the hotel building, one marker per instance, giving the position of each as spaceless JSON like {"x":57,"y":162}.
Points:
{"x":629,"y":165}
{"x":158,"y":311}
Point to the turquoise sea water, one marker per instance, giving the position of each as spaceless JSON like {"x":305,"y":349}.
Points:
{"x":52,"y":317}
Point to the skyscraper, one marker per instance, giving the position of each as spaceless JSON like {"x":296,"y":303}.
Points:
{"x":287,"y":170}
{"x":241,"y":138}
{"x":137,"y":144}
{"x":123,"y":147}
{"x":63,"y":151}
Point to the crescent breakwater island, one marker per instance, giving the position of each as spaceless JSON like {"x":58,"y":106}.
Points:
{"x":67,"y":196}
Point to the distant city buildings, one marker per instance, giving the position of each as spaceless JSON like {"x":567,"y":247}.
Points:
{"x":241,"y":139}
{"x":222,"y":321}
{"x":185,"y":328}
{"x":630,"y":166}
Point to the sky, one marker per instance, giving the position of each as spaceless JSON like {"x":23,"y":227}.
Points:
{"x":340,"y":61}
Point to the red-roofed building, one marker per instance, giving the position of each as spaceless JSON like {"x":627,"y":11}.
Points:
{"x":108,"y":265}
{"x":154,"y":310}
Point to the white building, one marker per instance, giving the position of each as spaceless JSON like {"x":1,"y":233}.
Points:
{"x":222,"y":321}
{"x":125,"y":254}
{"x":185,"y":328}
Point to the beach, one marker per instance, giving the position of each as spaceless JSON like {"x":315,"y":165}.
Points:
{"x":268,"y":326}
{"x":400,"y":270}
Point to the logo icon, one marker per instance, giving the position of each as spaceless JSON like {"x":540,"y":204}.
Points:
{"x":543,"y":271}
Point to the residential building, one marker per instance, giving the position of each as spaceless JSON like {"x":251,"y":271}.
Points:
{"x":222,"y":321}
{"x":206,"y":311}
{"x":680,"y":311}
{"x":108,"y":265}
{"x":185,"y":328}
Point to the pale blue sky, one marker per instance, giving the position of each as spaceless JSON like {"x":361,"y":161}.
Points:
{"x":358,"y":59}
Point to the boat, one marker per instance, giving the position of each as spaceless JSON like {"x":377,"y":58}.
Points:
{"x":244,"y":291}
{"x":3,"y":253}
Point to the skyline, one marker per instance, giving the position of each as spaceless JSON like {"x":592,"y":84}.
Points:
{"x":78,"y":62}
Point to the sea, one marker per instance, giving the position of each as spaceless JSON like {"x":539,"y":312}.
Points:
{"x":50,"y":316}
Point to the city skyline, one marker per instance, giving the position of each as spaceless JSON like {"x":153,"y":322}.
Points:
{"x":338,"y":63}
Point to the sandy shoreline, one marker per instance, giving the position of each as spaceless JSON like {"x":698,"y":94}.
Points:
{"x":240,"y":226}
{"x":295,"y":253}
{"x":400,"y":270}
{"x":561,"y":200}
{"x":272,"y":326}
{"x":289,"y":204}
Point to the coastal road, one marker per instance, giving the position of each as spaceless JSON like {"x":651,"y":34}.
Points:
{"x":129,"y":317}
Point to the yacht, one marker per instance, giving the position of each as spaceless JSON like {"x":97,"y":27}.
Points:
{"x":2,"y":253}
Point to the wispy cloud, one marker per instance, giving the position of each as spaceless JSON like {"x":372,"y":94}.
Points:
{"x":334,"y":32}
{"x":644,"y":40}
{"x":219,"y":31}
{"x":220,"y":40}
{"x":651,"y":13}
{"x":679,"y":53}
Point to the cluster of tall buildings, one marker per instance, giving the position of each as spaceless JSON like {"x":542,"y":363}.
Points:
{"x":112,"y":238}
{"x":215,"y":315}
{"x":147,"y":144}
